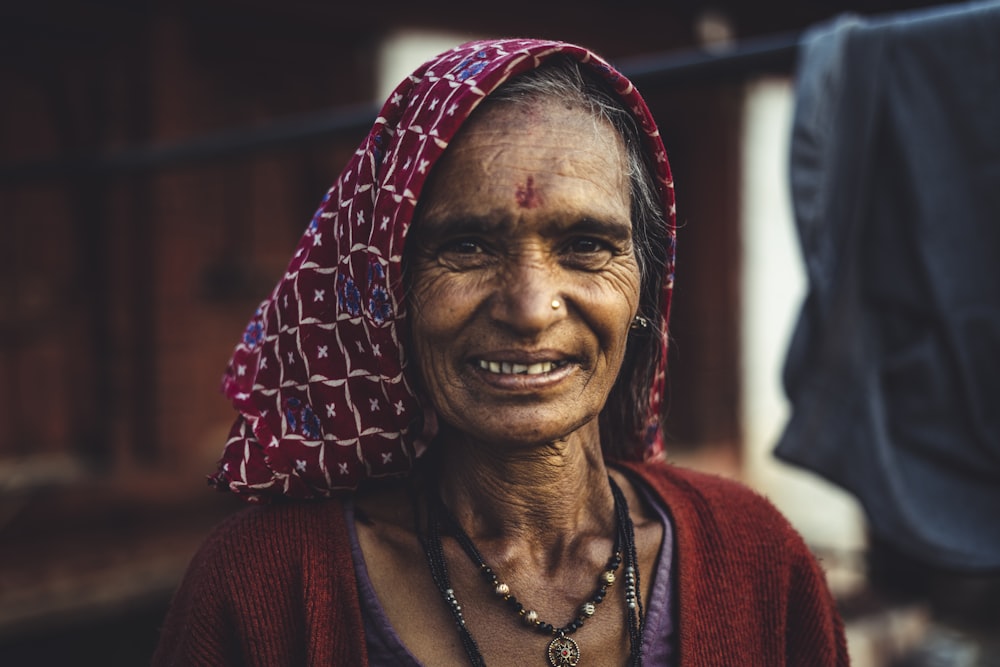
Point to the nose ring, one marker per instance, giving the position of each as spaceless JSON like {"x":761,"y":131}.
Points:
{"x":555,"y":304}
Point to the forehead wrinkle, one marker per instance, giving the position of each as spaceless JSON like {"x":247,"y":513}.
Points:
{"x":475,"y":186}
{"x":493,"y":131}
{"x":542,"y":163}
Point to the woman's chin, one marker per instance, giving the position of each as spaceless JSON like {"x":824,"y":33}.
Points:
{"x":522,"y":428}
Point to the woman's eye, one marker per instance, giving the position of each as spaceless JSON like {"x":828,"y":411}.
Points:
{"x":587,"y":246}
{"x":464,"y":247}
{"x":588,"y":253}
{"x":462,"y":254}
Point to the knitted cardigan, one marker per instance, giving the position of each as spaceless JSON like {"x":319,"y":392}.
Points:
{"x":274,"y":585}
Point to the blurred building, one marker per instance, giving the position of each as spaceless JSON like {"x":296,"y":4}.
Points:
{"x":158,"y":162}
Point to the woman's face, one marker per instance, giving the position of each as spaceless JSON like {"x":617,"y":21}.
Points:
{"x":529,"y":209}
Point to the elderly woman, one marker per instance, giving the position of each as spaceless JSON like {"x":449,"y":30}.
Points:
{"x":466,"y":356}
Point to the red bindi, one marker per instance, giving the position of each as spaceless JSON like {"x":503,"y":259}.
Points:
{"x":527,"y":196}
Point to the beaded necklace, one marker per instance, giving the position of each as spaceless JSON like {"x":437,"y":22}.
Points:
{"x":562,"y":651}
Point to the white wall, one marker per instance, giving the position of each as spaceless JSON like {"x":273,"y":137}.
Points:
{"x":774,"y":285}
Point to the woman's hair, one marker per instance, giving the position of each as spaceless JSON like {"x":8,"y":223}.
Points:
{"x":626,"y":414}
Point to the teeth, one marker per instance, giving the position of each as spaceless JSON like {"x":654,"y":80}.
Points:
{"x":505,"y":368}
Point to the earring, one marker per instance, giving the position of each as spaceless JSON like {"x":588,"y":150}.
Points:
{"x":555,"y":304}
{"x":639,"y":322}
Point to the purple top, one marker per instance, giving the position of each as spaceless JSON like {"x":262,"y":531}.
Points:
{"x":385,"y":649}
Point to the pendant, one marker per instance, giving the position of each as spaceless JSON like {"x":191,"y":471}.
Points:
{"x":563,"y":652}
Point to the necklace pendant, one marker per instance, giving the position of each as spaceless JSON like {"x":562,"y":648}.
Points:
{"x":563,"y":652}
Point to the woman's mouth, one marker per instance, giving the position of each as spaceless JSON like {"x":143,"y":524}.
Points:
{"x":509,"y":368}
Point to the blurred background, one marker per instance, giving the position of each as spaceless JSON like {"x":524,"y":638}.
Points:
{"x":158,"y":162}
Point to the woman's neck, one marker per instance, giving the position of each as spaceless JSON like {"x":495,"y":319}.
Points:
{"x":551,"y":498}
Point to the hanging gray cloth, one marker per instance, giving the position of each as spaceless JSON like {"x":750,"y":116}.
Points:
{"x":894,"y":368}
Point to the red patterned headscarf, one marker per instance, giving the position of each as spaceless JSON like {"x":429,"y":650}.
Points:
{"x":319,"y":376}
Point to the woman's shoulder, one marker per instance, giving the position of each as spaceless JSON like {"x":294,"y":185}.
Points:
{"x":740,"y":561}
{"x":282,"y":511}
{"x":710,"y":487}
{"x":710,"y":503}
{"x":726,"y":530}
{"x":282,"y":530}
{"x":262,"y":575}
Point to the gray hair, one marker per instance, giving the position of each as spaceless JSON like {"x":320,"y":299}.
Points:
{"x":624,"y":417}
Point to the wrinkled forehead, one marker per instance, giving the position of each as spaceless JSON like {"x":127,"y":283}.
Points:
{"x":538,"y":155}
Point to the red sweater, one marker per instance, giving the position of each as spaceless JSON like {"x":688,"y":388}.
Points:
{"x":274,"y":585}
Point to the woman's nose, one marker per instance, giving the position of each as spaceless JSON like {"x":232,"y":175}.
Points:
{"x":529,"y":298}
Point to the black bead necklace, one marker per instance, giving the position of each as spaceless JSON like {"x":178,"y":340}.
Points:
{"x":562,"y":651}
